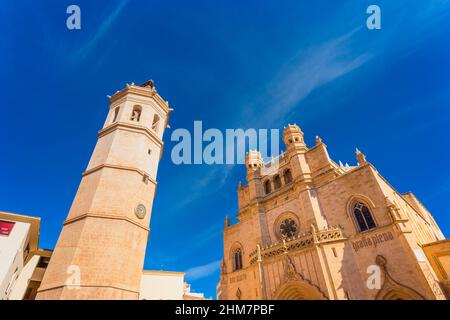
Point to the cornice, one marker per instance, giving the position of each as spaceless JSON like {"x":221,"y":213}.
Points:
{"x":87,"y":284}
{"x":105,"y":216}
{"x":113,"y":166}
{"x":141,"y":91}
{"x":130,"y":127}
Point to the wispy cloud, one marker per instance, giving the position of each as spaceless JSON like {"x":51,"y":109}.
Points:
{"x":203,"y":271}
{"x":102,"y":30}
{"x":216,"y":175}
{"x":310,"y":69}
{"x":202,"y":238}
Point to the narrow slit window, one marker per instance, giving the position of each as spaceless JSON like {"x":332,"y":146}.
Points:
{"x":155,"y":123}
{"x":267,"y":187}
{"x":287,"y":176}
{"x":116,"y":114}
{"x":237,"y":260}
{"x":277,"y":182}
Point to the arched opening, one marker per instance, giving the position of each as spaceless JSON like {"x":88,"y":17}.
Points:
{"x":363,"y":216}
{"x":267,"y":187}
{"x":287,"y":176}
{"x":400,"y":294}
{"x":155,"y":123}
{"x":277,"y":182}
{"x":237,"y":259}
{"x":116,"y":114}
{"x":136,"y":114}
{"x":298,"y":290}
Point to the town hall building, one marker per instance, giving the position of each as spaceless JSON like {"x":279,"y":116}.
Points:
{"x":310,"y":228}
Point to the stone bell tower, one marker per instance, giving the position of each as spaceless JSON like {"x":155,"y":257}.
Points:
{"x":100,"y":251}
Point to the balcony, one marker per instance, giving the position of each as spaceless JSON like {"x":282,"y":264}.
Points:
{"x":299,"y":242}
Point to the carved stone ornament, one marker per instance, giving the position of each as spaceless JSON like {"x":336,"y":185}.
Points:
{"x":392,"y":289}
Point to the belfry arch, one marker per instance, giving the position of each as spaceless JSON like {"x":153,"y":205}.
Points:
{"x":298,"y":290}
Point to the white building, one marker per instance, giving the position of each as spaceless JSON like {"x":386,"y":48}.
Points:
{"x":22,"y":263}
{"x":166,"y":285}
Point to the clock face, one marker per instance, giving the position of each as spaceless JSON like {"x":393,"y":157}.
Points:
{"x":140,"y":211}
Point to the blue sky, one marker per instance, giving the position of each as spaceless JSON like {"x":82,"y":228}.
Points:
{"x":261,"y":64}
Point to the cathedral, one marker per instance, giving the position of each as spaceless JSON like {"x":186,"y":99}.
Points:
{"x":310,"y":228}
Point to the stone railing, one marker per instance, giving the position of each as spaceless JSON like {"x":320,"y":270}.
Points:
{"x":299,"y":242}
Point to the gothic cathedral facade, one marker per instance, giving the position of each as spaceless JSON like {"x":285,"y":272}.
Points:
{"x":310,"y":228}
{"x":100,"y":251}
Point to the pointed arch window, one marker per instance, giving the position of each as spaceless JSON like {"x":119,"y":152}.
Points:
{"x":237,"y":259}
{"x":136,"y":114}
{"x":363,"y":216}
{"x":277,"y":182}
{"x":267,"y":187}
{"x":155,"y":123}
{"x":287,"y":176}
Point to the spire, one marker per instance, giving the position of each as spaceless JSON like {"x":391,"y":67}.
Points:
{"x":360,"y":157}
{"x":318,"y":140}
{"x":227,"y":221}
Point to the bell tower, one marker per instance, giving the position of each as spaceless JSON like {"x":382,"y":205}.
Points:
{"x":100,"y":251}
{"x":296,"y":151}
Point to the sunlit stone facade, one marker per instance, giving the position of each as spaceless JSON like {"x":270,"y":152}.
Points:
{"x":310,"y":228}
{"x":100,"y":251}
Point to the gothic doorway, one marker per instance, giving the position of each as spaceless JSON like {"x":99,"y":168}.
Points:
{"x":400,"y":294}
{"x":298,"y":290}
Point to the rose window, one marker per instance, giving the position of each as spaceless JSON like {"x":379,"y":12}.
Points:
{"x":288,"y":228}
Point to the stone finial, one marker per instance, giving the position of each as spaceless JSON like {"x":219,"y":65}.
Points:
{"x":227,"y":221}
{"x":360,"y":157}
{"x":318,"y":140}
